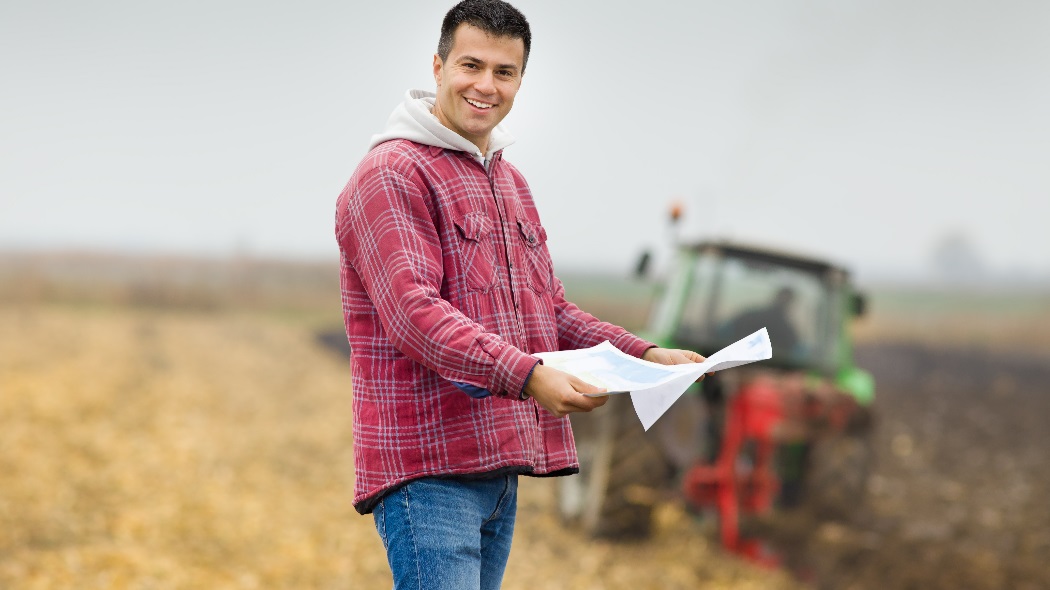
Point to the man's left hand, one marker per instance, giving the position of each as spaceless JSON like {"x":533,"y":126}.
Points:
{"x":673,"y":356}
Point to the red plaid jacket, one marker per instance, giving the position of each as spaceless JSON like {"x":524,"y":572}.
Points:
{"x":446,"y":278}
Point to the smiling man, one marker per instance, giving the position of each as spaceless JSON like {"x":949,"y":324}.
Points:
{"x":448,"y":289}
{"x":477,"y":86}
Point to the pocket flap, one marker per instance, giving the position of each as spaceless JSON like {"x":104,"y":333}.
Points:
{"x":532,"y":232}
{"x":473,"y":226}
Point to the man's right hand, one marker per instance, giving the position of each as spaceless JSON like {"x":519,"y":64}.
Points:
{"x":561,"y":393}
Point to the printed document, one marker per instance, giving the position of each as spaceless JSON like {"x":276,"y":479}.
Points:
{"x":653,"y":387}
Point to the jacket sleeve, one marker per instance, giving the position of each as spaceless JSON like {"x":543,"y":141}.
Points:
{"x":388,"y":235}
{"x":579,"y":329}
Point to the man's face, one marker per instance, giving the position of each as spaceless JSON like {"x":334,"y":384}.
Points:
{"x":476,"y":84}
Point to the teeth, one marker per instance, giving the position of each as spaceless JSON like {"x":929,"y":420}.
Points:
{"x":480,"y":105}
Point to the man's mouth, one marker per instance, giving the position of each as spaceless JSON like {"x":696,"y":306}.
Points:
{"x":480,"y":105}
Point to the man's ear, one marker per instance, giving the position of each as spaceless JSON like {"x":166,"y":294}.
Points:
{"x":438,"y":64}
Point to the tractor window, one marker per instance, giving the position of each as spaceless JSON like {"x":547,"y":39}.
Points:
{"x":694,"y":330}
{"x":733,"y":297}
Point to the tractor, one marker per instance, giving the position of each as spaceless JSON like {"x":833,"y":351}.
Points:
{"x":790,"y":433}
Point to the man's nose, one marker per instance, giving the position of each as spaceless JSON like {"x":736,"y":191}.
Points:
{"x":486,"y":83}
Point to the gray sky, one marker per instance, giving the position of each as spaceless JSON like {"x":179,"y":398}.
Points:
{"x":863,"y":130}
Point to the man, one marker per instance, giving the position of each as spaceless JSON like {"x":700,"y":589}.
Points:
{"x":448,"y":289}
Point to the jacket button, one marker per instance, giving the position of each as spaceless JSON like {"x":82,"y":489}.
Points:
{"x":532,"y":239}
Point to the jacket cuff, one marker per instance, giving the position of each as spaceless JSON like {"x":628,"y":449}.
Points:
{"x":521,"y":394}
{"x":632,"y":345}
{"x":511,"y":371}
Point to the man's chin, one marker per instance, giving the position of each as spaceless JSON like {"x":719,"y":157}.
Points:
{"x":482,"y":130}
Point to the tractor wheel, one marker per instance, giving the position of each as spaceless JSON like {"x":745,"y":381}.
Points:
{"x":622,"y":473}
{"x":839,"y":465}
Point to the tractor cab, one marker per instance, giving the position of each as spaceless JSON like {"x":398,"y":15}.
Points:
{"x":719,"y":292}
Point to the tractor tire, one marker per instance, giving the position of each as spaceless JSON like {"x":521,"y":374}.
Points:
{"x":836,"y":481}
{"x":622,"y":474}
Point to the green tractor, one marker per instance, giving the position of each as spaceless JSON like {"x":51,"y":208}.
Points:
{"x":789,"y":433}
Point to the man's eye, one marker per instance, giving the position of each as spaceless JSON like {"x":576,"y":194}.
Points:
{"x":470,"y":66}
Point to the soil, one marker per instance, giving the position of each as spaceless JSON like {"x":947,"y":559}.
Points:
{"x":958,"y":495}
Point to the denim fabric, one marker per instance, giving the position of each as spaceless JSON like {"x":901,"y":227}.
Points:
{"x":448,"y":533}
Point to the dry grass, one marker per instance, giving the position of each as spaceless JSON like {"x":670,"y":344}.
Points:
{"x":176,"y":449}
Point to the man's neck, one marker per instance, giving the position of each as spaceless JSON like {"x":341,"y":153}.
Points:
{"x":483,"y":146}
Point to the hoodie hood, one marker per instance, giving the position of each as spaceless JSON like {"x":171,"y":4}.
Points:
{"x":414,"y":121}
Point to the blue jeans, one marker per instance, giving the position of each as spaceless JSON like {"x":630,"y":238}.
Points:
{"x":448,"y":533}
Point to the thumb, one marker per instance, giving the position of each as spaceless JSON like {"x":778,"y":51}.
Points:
{"x":582,"y":386}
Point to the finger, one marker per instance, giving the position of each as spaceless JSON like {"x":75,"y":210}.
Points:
{"x":584,"y":403}
{"x":599,"y":401}
{"x":690,"y":356}
{"x":678,"y":357}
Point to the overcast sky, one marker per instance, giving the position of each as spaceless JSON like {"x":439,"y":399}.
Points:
{"x":863,"y":130}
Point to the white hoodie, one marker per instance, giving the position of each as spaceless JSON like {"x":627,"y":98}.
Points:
{"x":414,"y":120}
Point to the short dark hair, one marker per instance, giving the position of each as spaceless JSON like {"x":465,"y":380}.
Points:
{"x":495,"y":17}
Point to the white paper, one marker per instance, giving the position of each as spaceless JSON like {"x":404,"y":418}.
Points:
{"x":653,"y":387}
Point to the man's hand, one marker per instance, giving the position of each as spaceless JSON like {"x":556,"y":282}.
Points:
{"x":561,"y":393}
{"x":673,"y":356}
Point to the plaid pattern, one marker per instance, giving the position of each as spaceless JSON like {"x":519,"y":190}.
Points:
{"x":446,"y":277}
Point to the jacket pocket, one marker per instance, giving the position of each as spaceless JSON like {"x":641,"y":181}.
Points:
{"x":537,"y":261}
{"x":476,"y":251}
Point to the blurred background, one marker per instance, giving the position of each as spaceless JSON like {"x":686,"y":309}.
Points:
{"x":174,"y":397}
